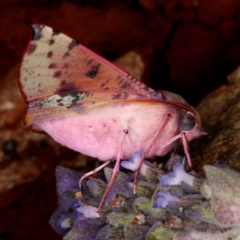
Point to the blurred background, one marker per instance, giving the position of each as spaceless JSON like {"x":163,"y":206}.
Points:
{"x":185,"y":46}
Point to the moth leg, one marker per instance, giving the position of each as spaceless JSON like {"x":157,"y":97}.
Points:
{"x":166,"y":119}
{"x":115,"y":170}
{"x":171,"y":140}
{"x":92,"y":172}
{"x":131,"y":141}
{"x":186,"y":150}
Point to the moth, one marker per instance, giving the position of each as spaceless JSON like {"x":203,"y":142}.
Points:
{"x":91,"y":106}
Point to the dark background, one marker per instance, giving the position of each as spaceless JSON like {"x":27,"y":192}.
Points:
{"x":188,"y":47}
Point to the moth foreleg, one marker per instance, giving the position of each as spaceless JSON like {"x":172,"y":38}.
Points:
{"x":115,"y":170}
{"x":145,"y":153}
{"x":186,"y":150}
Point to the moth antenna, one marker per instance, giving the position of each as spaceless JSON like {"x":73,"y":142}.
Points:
{"x":145,"y":153}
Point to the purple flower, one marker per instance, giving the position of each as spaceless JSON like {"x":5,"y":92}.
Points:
{"x":149,"y":171}
{"x":179,"y":177}
{"x":165,"y":199}
{"x":88,"y":211}
{"x":61,"y":221}
{"x":67,"y":186}
{"x":134,"y":161}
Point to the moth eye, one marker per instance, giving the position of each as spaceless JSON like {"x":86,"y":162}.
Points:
{"x":188,"y":122}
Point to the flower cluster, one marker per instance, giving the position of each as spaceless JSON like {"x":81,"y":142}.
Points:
{"x":168,"y":205}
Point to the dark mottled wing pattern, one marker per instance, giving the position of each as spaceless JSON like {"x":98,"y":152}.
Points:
{"x":60,"y":78}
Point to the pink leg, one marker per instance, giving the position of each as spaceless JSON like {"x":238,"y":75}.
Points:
{"x":167,"y":117}
{"x":115,"y":170}
{"x":171,"y":140}
{"x":131,"y":142}
{"x":186,"y":150}
{"x":92,"y":172}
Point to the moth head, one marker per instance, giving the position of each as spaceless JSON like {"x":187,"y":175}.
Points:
{"x":191,"y":125}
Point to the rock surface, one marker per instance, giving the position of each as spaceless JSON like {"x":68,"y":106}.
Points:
{"x":220,"y":113}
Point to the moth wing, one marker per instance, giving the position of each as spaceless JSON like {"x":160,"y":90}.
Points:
{"x":61,"y":78}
